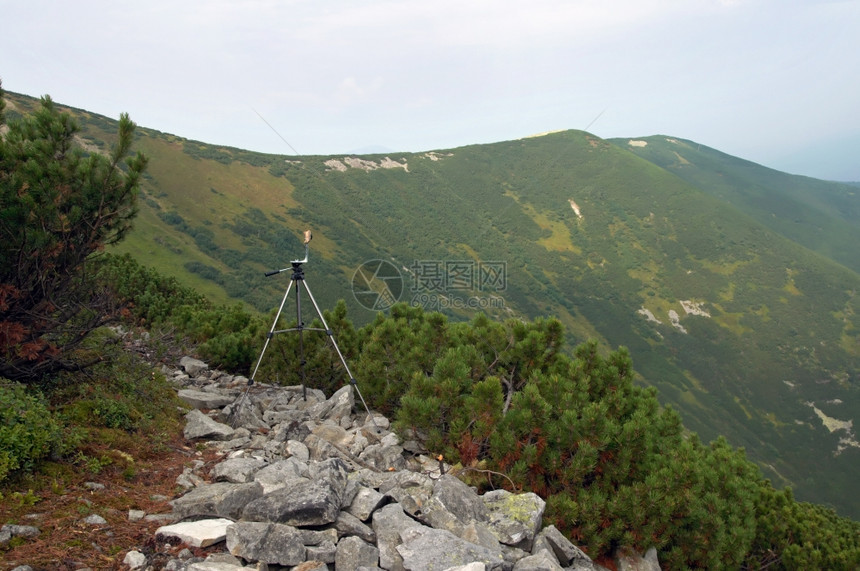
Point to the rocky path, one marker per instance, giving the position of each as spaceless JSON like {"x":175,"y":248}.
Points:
{"x":303,"y":482}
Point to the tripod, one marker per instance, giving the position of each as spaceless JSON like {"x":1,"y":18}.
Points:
{"x":298,"y":277}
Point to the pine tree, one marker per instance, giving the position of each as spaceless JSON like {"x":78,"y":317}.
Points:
{"x":59,"y":206}
{"x":394,"y":348}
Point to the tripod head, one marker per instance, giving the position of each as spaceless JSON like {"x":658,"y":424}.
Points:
{"x":296,"y":263}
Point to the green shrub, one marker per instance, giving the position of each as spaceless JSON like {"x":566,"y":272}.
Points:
{"x":396,"y":347}
{"x":800,"y":535}
{"x":28,"y":431}
{"x":616,"y":469}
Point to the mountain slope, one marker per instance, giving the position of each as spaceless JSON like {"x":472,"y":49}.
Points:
{"x":744,"y":327}
{"x":823,"y":216}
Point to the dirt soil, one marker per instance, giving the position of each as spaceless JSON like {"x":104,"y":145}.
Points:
{"x":57,"y":508}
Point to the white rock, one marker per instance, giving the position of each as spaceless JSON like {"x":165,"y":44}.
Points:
{"x":202,"y":533}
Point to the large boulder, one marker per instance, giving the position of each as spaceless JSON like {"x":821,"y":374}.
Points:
{"x":267,"y":542}
{"x":439,"y":549}
{"x":200,"y":426}
{"x":516,"y":518}
{"x":222,"y":499}
{"x":302,"y":502}
{"x":204,"y":400}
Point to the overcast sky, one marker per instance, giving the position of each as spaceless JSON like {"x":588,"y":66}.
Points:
{"x":772,"y":81}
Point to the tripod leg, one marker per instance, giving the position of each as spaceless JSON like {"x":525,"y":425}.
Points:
{"x":301,"y":327}
{"x":271,"y":333}
{"x":330,"y":334}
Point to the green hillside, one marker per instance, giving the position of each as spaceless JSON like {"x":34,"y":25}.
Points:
{"x":743,"y":317}
{"x":823,"y":216}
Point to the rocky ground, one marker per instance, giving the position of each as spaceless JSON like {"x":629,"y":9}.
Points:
{"x":282,"y":478}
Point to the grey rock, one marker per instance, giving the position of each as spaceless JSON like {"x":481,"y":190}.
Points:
{"x":267,"y":542}
{"x":293,"y":430}
{"x":134,"y":559}
{"x":324,"y":552}
{"x":198,"y":425}
{"x":5,"y":535}
{"x":541,"y":561}
{"x":161,"y":518}
{"x":365,"y":502}
{"x":8,"y":531}
{"x":515,"y":518}
{"x":245,"y":413}
{"x":479,"y":534}
{"x":347,"y":525}
{"x":629,"y":560}
{"x":343,"y":401}
{"x":375,"y":422}
{"x":353,"y":553}
{"x":312,"y":486}
{"x":389,"y":439}
{"x":388,"y":523}
{"x":458,"y":499}
{"x":302,"y":503}
{"x":358,"y":443}
{"x":384,"y":457}
{"x":411,"y":490}
{"x":651,"y":558}
{"x":476,"y":566}
{"x":237,"y":470}
{"x":512,"y":555}
{"x":204,"y":400}
{"x":565,"y":552}
{"x":223,"y":557}
{"x":318,"y":537}
{"x":276,"y":475}
{"x":213,"y":564}
{"x":334,"y":434}
{"x":188,"y":480}
{"x":274,"y":417}
{"x":221,"y":499}
{"x":334,"y":471}
{"x":319,"y":410}
{"x":95,"y":519}
{"x":439,"y":549}
{"x":297,"y":450}
{"x":232,"y":444}
{"x":193,"y":366}
{"x":321,"y":449}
